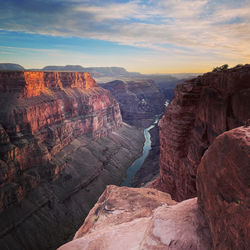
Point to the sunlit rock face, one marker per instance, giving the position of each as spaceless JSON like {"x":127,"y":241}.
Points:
{"x":141,"y":218}
{"x":61,"y":140}
{"x":223,"y":179}
{"x":34,"y":83}
{"x":202,"y":109}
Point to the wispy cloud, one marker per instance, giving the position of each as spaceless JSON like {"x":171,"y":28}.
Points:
{"x":180,"y":27}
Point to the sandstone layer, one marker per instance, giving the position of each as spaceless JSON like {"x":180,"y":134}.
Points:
{"x":61,"y":140}
{"x":202,"y":109}
{"x":129,"y":218}
{"x":223,"y":179}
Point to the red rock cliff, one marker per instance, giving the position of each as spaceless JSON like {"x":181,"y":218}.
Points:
{"x":41,"y":113}
{"x":34,"y":83}
{"x":202,"y":109}
{"x":62,"y":141}
{"x":223,"y":179}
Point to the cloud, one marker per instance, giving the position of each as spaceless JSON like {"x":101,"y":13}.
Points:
{"x":172,"y":27}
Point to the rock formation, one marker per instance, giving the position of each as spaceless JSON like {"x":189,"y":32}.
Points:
{"x":61,"y":140}
{"x":202,"y":109}
{"x":223,"y":179}
{"x":141,"y":218}
{"x":139,"y":101}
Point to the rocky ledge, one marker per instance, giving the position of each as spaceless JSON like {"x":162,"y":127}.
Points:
{"x":141,"y":218}
{"x":62,"y":141}
{"x":202,"y":109}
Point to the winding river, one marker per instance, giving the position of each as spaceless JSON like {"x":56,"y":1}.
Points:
{"x":136,"y":165}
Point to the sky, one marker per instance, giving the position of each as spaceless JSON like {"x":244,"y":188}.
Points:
{"x":147,"y":36}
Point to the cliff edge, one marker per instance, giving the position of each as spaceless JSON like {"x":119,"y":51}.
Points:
{"x":141,"y":218}
{"x":202,"y":109}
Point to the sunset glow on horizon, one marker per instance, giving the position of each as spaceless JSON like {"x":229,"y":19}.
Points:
{"x":161,"y":36}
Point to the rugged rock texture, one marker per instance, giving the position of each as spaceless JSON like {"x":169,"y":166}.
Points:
{"x":202,"y":109}
{"x":223,"y":179}
{"x":129,"y":218}
{"x":61,"y":137}
{"x":139,"y":101}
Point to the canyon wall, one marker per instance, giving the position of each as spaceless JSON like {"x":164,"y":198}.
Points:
{"x":139,"y":101}
{"x":61,"y":137}
{"x":202,"y":109}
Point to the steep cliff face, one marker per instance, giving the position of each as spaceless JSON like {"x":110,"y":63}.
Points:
{"x":202,"y":109}
{"x":61,"y":137}
{"x":223,"y":179}
{"x":139,"y":101}
{"x":144,"y":218}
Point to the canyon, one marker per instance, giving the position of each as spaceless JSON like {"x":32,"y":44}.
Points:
{"x":205,"y":151}
{"x":141,"y":101}
{"x":62,"y":140}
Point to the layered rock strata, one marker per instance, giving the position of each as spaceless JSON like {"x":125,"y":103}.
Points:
{"x":223,"y":179}
{"x":139,"y":101}
{"x":130,"y":218}
{"x":61,"y":140}
{"x":202,"y":109}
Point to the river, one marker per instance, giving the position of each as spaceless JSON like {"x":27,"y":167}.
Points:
{"x":136,"y":165}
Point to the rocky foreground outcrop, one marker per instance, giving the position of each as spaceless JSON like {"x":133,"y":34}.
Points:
{"x":145,"y":218}
{"x":223,"y":180}
{"x":202,"y":109}
{"x":62,"y":141}
{"x":141,"y":218}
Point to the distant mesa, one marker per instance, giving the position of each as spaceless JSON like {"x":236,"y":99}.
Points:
{"x":103,"y":74}
{"x":95,"y":71}
{"x":76,"y":68}
{"x":11,"y":66}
